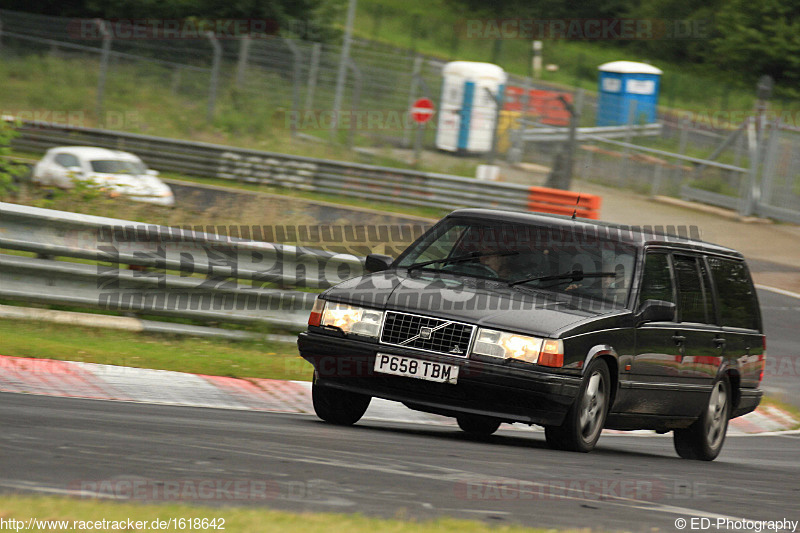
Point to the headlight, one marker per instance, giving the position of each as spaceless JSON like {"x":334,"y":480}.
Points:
{"x":547,"y":352}
{"x":350,"y":319}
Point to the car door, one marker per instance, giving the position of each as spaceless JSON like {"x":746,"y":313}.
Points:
{"x":740,"y":318}
{"x":702,"y":341}
{"x":654,"y":372}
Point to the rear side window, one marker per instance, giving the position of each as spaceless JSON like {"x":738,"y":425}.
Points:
{"x":656,"y":280}
{"x":691,"y":293}
{"x":738,"y":306}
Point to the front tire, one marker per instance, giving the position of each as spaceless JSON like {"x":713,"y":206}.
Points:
{"x":340,"y":407}
{"x":585,"y":419}
{"x":703,"y":440}
{"x":479,"y":426}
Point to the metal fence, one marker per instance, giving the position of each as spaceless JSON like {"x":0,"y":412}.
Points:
{"x":777,"y":194}
{"x":130,"y":267}
{"x":250,"y":79}
{"x":265,"y":75}
{"x":250,"y":82}
{"x":746,"y":166}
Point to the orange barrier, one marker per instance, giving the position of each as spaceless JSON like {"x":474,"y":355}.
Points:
{"x":558,"y":202}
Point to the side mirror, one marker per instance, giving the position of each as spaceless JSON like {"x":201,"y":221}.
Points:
{"x":151,"y":172}
{"x":378,"y":263}
{"x":75,"y":171}
{"x":657,"y":311}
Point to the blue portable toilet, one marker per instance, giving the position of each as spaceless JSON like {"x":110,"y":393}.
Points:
{"x":624,"y":84}
{"x":468,"y":111}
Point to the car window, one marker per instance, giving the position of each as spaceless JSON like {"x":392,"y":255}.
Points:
{"x":114,"y":166}
{"x":438,"y":244}
{"x":529,"y":257}
{"x":738,"y":306}
{"x":711,"y":315}
{"x":691,"y":293}
{"x":67,"y":160}
{"x":656,"y":280}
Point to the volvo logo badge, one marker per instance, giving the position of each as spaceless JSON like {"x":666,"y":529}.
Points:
{"x":425,"y":333}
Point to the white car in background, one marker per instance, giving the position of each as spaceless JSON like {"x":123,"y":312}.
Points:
{"x":116,"y":172}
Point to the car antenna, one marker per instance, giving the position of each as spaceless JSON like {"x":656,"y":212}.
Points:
{"x":575,"y":211}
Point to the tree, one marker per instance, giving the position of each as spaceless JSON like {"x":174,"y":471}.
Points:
{"x":309,"y":18}
{"x":756,"y":38}
{"x":10,"y":172}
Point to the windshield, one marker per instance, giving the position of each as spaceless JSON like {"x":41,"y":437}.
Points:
{"x":542,"y":258}
{"x":117,"y":166}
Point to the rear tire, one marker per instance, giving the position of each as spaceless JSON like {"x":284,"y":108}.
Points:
{"x":703,"y":440}
{"x":479,"y":426}
{"x":335,"y":406}
{"x":585,"y":419}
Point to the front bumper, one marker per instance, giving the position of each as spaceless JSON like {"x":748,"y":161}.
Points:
{"x":511,"y":394}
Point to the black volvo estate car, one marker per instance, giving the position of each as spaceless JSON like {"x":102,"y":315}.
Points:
{"x":573,"y":325}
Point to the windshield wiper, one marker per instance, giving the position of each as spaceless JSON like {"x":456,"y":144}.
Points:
{"x":460,"y":258}
{"x":575,"y":275}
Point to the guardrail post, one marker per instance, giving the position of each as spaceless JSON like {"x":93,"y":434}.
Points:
{"x":574,"y":121}
{"x":770,"y":160}
{"x":313,"y":70}
{"x":343,"y":63}
{"x":412,"y":94}
{"x":626,"y":153}
{"x":756,"y":141}
{"x":561,"y":174}
{"x":655,"y":185}
{"x":101,"y":76}
{"x":498,"y":105}
{"x":241,"y":65}
{"x":176,"y":80}
{"x":682,"y":142}
{"x":297,"y":57}
{"x":212,"y":88}
{"x":359,"y":79}
{"x":746,"y":189}
{"x":516,"y":146}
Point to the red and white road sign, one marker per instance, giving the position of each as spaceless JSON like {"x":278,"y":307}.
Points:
{"x":422,"y":110}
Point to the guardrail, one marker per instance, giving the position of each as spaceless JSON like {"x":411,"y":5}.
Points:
{"x":368,"y":182}
{"x":158,"y":270}
{"x":590,"y":133}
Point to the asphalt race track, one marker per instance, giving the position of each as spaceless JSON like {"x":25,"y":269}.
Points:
{"x":140,"y":452}
{"x":58,"y":446}
{"x":781,"y":315}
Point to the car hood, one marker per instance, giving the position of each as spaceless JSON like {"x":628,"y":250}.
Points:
{"x":483,"y":302}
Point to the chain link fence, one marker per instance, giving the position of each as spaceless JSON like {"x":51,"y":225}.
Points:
{"x":267,"y":81}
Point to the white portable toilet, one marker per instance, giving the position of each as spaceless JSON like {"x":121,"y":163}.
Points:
{"x":467,"y":111}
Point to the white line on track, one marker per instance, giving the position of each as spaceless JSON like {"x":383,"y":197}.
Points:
{"x":778,"y":291}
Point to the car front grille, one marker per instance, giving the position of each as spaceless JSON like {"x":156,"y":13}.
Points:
{"x":426,"y":333}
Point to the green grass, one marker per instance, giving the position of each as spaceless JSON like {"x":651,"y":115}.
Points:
{"x":251,"y":359}
{"x":238,"y":520}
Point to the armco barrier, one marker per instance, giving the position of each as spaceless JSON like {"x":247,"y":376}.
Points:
{"x":178,"y":272}
{"x":564,"y":202}
{"x":354,"y":180}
